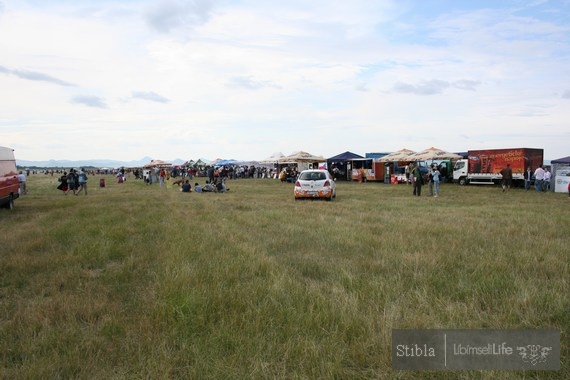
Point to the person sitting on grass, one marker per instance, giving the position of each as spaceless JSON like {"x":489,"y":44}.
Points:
{"x":186,"y":188}
{"x":197,"y":188}
{"x":208,"y":188}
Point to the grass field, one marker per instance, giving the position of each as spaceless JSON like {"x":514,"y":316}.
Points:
{"x":137,"y":281}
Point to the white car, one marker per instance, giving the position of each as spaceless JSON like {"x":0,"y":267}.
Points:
{"x":315,"y":184}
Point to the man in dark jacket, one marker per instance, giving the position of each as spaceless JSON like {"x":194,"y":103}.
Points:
{"x":507,"y":174}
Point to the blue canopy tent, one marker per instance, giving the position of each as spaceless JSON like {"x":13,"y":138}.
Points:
{"x":563,"y":160}
{"x":337,"y":165}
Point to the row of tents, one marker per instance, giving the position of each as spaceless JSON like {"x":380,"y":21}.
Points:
{"x":400,"y":156}
{"x":403,"y":155}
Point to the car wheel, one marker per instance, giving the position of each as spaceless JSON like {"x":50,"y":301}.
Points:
{"x":10,"y":204}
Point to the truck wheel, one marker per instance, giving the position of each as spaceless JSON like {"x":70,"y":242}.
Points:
{"x":462,"y":181}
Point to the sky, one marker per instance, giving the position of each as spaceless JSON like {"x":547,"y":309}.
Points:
{"x":244,"y":79}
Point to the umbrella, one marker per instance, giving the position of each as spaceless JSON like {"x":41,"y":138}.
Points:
{"x":157,"y":164}
{"x":226,"y":162}
{"x":401,"y":155}
{"x":215,"y":162}
{"x":431,"y":154}
{"x":301,"y":156}
{"x":273,"y":158}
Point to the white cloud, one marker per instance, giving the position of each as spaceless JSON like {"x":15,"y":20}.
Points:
{"x":245,"y":79}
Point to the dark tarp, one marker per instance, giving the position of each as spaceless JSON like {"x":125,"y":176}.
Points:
{"x":563,"y":160}
{"x":346,"y":156}
{"x":337,"y":165}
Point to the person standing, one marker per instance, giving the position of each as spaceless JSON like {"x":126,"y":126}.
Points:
{"x":538,"y":178}
{"x":418,"y":181}
{"x":436,"y":179}
{"x":22,"y":182}
{"x":527,"y":178}
{"x":82,"y":181}
{"x":507,"y":174}
{"x":547,"y":178}
{"x":430,"y":181}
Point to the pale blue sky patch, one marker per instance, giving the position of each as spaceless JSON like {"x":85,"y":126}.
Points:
{"x":149,"y":95}
{"x":89,"y":101}
{"x":34,"y":75}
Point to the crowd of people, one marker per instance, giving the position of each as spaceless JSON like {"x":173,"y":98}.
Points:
{"x":417,"y":178}
{"x":542,"y":179}
{"x":75,"y":180}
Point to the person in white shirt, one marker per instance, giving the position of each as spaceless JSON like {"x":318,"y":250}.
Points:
{"x":538,"y":178}
{"x":22,"y":181}
{"x":547,"y":178}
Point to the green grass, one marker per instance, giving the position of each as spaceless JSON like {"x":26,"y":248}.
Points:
{"x":137,"y":281}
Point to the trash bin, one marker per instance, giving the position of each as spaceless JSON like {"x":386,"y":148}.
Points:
{"x":102,"y":182}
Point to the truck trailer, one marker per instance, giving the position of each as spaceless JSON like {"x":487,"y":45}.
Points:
{"x":483,"y":167}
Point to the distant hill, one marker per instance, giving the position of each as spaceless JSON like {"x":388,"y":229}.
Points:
{"x":97,"y":163}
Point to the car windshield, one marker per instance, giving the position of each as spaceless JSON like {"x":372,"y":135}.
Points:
{"x":313,"y":176}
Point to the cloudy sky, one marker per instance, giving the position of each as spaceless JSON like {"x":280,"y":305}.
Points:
{"x":242,"y":79}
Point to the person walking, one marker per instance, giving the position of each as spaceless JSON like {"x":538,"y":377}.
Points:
{"x":72,"y":181}
{"x":82,"y":181}
{"x":436,"y":179}
{"x":538,"y":178}
{"x":507,"y":174}
{"x":63,"y":186}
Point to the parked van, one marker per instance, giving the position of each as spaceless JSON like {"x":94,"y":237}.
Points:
{"x":9,"y":186}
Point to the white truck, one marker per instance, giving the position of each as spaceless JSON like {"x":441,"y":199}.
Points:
{"x":483,"y":167}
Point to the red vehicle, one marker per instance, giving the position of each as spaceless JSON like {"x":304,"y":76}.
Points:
{"x":484,"y":166}
{"x":9,"y":185}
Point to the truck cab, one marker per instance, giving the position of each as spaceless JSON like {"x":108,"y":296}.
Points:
{"x":9,"y":185}
{"x":460,"y":172}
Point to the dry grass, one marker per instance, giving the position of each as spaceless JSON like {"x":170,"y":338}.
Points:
{"x":135,"y":281}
